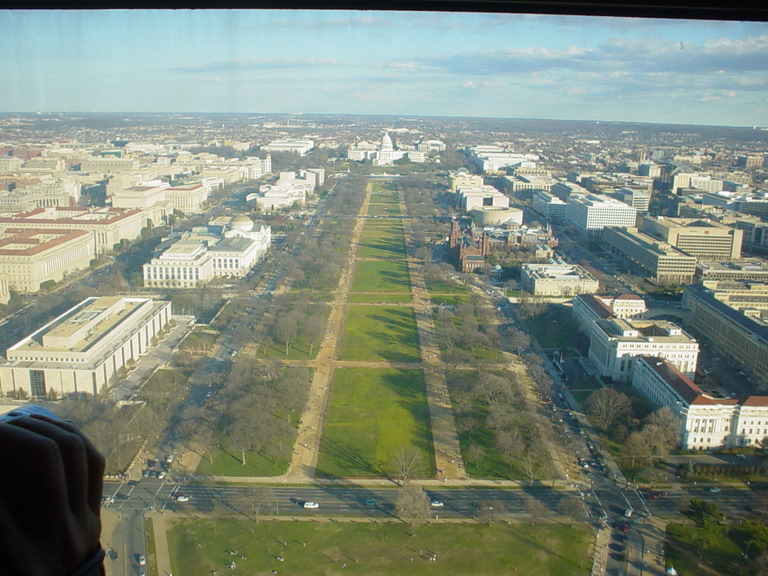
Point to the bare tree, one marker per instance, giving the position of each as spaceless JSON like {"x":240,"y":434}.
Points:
{"x":487,"y":511}
{"x":413,"y":504}
{"x":636,"y":448}
{"x":408,"y":463}
{"x":286,"y":329}
{"x":261,"y":497}
{"x":573,"y":507}
{"x":314,"y":329}
{"x":661,"y":431}
{"x":536,"y":510}
{"x":607,"y":406}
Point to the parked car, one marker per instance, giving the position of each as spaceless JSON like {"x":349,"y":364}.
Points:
{"x":312,"y":505}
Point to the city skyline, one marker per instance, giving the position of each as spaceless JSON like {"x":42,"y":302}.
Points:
{"x":392,"y":63}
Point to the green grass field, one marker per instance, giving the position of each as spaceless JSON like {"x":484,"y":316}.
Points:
{"x":372,"y":414}
{"x":381,"y":276}
{"x":198,"y":547}
{"x":380,"y":333}
{"x":224,"y":462}
{"x":380,"y":298}
{"x":384,"y":209}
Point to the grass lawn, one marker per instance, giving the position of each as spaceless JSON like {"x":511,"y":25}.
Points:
{"x":384,"y":246}
{"x":199,"y":547}
{"x":227,"y":463}
{"x":379,"y":298}
{"x":682,"y":552}
{"x":555,"y":328}
{"x":384,"y":209}
{"x":381,"y":276}
{"x":372,"y":414}
{"x":438,"y":288}
{"x":380,"y":333}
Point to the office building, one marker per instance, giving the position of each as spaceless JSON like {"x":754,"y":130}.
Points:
{"x":557,"y":279}
{"x":703,"y":238}
{"x":614,"y":344}
{"x":592,"y":213}
{"x":660,"y":261}
{"x":587,"y":308}
{"x":733,"y":317}
{"x":109,"y":226}
{"x":29,"y":258}
{"x":85,"y":349}
{"x":549,"y":206}
{"x":298,"y":147}
{"x":706,"y":421}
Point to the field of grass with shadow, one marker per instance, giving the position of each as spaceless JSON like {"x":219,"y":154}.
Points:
{"x":381,"y":276}
{"x":372,"y":414}
{"x":380,"y":334}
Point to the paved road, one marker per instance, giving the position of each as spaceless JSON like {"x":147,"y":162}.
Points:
{"x":153,"y":494}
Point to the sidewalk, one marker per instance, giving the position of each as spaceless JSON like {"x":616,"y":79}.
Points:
{"x":162,"y":553}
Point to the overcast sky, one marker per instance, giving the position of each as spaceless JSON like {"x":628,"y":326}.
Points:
{"x":518,"y":66}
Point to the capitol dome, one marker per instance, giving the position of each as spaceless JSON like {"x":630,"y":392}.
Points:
{"x":242,"y":223}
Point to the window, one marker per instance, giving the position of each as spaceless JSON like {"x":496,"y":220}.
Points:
{"x":37,"y":382}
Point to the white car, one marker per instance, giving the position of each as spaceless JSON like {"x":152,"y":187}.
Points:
{"x":182,"y":498}
{"x":142,"y":560}
{"x":311,"y":505}
{"x":436,"y":503}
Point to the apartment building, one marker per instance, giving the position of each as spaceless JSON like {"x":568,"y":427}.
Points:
{"x":733,"y":317}
{"x":706,"y":421}
{"x":28,"y":258}
{"x":615,"y":343}
{"x":86,"y":348}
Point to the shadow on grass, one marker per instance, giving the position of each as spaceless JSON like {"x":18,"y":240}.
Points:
{"x":357,"y":463}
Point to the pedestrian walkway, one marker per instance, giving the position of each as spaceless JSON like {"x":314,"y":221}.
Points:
{"x":307,"y":447}
{"x":445,"y":438}
{"x":162,"y":553}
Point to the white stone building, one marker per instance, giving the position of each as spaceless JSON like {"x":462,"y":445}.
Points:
{"x":706,"y":421}
{"x":197,"y":259}
{"x":109,"y":226}
{"x":591,"y":213}
{"x":85,"y":349}
{"x":557,"y":279}
{"x":614,"y":345}
{"x":28,"y":258}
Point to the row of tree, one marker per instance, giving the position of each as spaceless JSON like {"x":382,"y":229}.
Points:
{"x":645,"y":438}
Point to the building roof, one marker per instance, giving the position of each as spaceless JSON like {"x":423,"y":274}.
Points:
{"x":679,"y":382}
{"x":600,"y":308}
